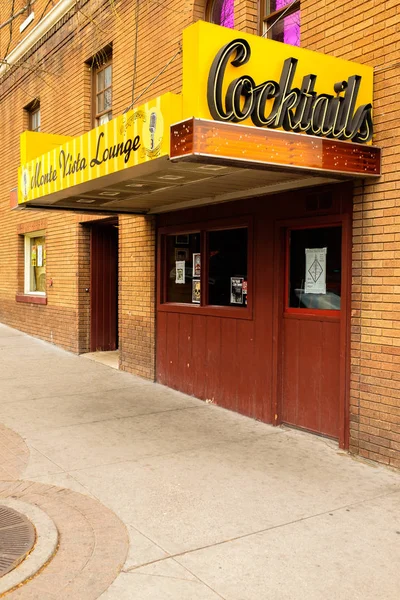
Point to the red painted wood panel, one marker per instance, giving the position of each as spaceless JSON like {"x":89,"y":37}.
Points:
{"x":104,"y":288}
{"x":261,"y":360}
{"x":311,"y":368}
{"x":162,"y":338}
{"x":209,"y":358}
{"x":330,"y":379}
{"x":230,"y":363}
{"x":244,"y":375}
{"x":185,"y":347}
{"x":308,"y":374}
{"x":212,"y":372}
{"x":290,"y":373}
{"x":198,"y":354}
{"x":173,"y":379}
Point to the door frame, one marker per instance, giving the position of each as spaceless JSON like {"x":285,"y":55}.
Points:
{"x":281,"y":227}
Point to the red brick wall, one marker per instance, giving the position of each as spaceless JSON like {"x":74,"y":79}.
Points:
{"x":366,"y":31}
{"x":247,"y":16}
{"x":137,"y":295}
{"x":57,"y":73}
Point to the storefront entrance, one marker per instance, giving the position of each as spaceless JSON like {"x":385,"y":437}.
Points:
{"x":311,"y":320}
{"x":104,"y":286}
{"x":253,"y":307}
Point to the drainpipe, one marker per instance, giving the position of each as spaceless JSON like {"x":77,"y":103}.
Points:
{"x":37,"y":32}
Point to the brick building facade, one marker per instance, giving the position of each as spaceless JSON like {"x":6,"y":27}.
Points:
{"x":58,"y":70}
{"x":367,"y":32}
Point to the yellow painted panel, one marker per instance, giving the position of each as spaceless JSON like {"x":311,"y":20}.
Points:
{"x":138,"y":136}
{"x":34,"y":143}
{"x":203,"y":41}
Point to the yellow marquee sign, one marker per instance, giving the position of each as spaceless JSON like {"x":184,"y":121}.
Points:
{"x":140,"y":135}
{"x":228,"y":76}
{"x":236,"y":77}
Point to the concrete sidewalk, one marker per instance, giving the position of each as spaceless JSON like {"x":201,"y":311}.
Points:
{"x":216,"y":505}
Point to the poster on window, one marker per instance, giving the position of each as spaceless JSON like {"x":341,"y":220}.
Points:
{"x":33,"y":255}
{"x":237,"y":290}
{"x":182,"y":254}
{"x":245,"y":292}
{"x":40,"y":255}
{"x":315,"y":276}
{"x":182,"y":240}
{"x":196,"y":264}
{"x":196,"y":291}
{"x":180,"y":271}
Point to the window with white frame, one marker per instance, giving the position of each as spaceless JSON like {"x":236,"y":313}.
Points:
{"x":35,"y":263}
{"x":34,"y":118}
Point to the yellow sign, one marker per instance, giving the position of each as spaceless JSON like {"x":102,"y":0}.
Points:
{"x":139,"y":136}
{"x":228,"y":76}
{"x":236,"y":77}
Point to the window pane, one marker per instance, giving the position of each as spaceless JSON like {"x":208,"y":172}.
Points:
{"x":274,"y":5}
{"x":315,"y":268}
{"x":104,"y":118}
{"x":35,"y":120}
{"x":227,"y":275}
{"x":222,"y":13}
{"x":107,"y":76}
{"x":100,"y":81}
{"x":107,"y":99}
{"x":287,"y":29}
{"x":37,"y":262}
{"x":100,"y":103}
{"x":183,"y":268}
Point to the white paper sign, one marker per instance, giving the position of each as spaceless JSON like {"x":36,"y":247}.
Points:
{"x":315,"y":279}
{"x":40,"y":256}
{"x":180,"y":271}
{"x":237,"y":290}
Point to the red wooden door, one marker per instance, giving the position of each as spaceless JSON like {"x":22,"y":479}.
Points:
{"x":311,"y":329}
{"x":104,"y":288}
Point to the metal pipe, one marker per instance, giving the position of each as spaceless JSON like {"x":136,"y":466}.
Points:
{"x":37,"y":32}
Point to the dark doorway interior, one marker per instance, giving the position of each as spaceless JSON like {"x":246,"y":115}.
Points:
{"x":104,"y":286}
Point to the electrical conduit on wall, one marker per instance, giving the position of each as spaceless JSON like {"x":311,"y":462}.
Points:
{"x":38,"y":32}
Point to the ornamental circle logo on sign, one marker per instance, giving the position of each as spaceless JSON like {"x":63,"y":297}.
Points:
{"x":152,"y":132}
{"x":25,"y":183}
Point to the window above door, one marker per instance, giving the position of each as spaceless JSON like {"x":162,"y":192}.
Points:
{"x":221,"y":12}
{"x":280,"y":20}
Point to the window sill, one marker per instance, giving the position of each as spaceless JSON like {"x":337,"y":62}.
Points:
{"x":312,"y":314}
{"x":229,"y":312}
{"x":31,"y":298}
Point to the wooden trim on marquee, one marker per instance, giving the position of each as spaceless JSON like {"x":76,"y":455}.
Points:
{"x":229,"y":143}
